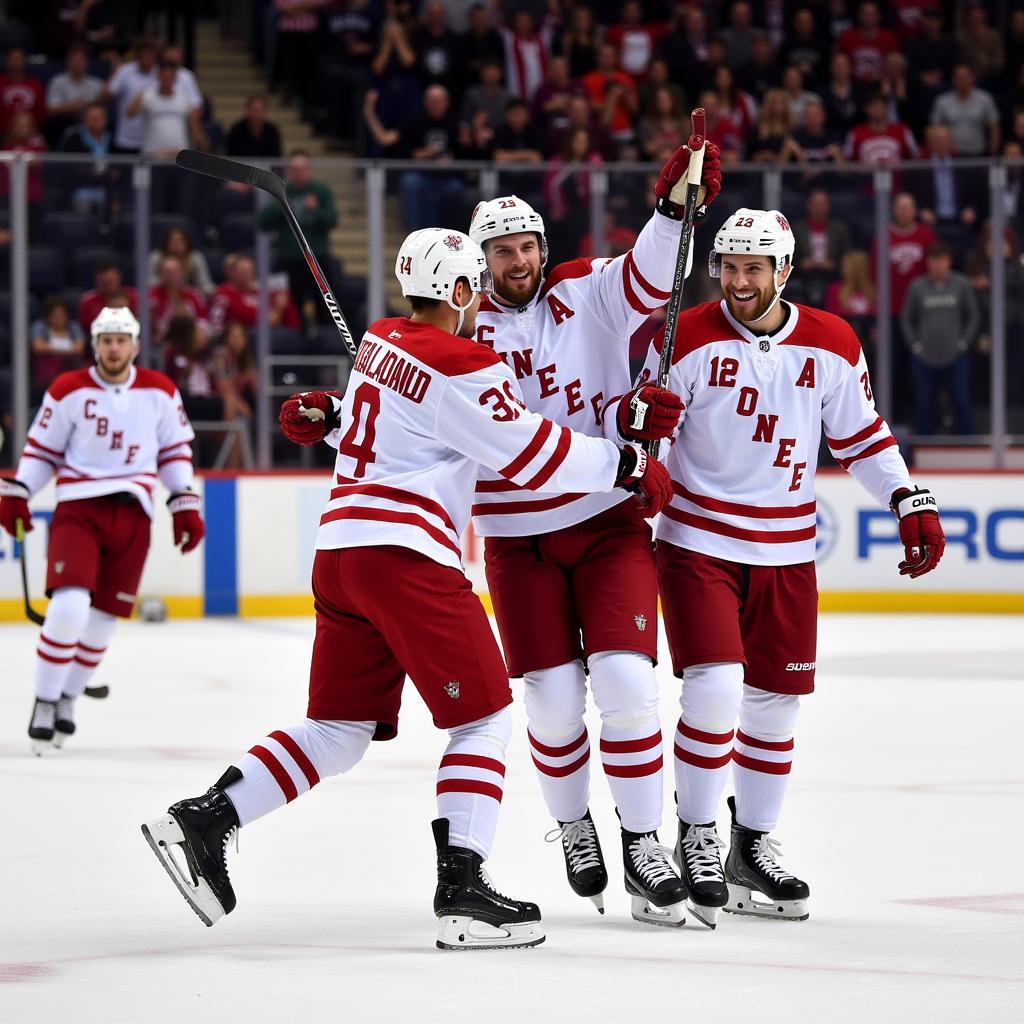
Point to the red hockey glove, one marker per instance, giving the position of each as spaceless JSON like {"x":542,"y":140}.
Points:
{"x":920,"y":530}
{"x":308,"y":417}
{"x":649,"y":413}
{"x":645,"y":476}
{"x":675,"y":170}
{"x":188,"y":523}
{"x":14,"y":506}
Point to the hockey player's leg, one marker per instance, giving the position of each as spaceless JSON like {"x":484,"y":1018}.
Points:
{"x":92,"y":645}
{"x":66,"y":616}
{"x":555,"y":700}
{"x":471,"y":913}
{"x":762,"y":761}
{"x":191,"y":839}
{"x":710,"y":702}
{"x":626,"y":693}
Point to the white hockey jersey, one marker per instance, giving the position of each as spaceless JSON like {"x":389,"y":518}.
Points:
{"x":422,"y":412}
{"x":744,"y":460}
{"x":102,"y":438}
{"x":569,"y":349}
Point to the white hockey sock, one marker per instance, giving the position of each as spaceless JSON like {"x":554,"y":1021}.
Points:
{"x":92,"y":645}
{"x":471,"y":780}
{"x":703,"y":743}
{"x":66,"y":616}
{"x":292,"y":761}
{"x":763,"y":756}
{"x":626,"y":693}
{"x":555,"y":699}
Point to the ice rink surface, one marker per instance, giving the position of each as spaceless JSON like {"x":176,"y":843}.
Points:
{"x":904,"y":815}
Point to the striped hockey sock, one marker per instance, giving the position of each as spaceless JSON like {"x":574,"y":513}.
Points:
{"x":563,"y":768}
{"x":702,"y":768}
{"x":633,"y":762}
{"x":761,"y":775}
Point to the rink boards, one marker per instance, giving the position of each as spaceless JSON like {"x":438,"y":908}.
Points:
{"x":261,"y":531}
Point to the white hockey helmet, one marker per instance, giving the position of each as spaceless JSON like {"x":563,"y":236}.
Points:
{"x":431,"y":261}
{"x":507,"y":215}
{"x":115,"y":320}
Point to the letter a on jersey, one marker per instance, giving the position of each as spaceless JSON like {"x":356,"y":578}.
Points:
{"x":806,"y":378}
{"x":559,"y":310}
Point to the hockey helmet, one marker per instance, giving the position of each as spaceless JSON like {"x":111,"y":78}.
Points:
{"x":115,"y":320}
{"x":507,"y":215}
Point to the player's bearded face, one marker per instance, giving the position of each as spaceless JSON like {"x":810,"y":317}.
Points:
{"x":114,"y":353}
{"x":515,"y":264}
{"x":748,"y":286}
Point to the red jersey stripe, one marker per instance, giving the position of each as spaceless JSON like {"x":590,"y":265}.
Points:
{"x":838,"y":444}
{"x":547,"y":471}
{"x":565,"y":769}
{"x":41,"y":458}
{"x":529,"y":453}
{"x":173,"y":458}
{"x":512,"y":508}
{"x":469,"y":786}
{"x":64,"y":481}
{"x":752,"y":741}
{"x":633,"y":771}
{"x":298,"y":755}
{"x":42,"y":447}
{"x":736,"y":508}
{"x":699,"y":761}
{"x":631,"y":296}
{"x":765,"y":767}
{"x":872,"y":449}
{"x":171,"y":447}
{"x":383,"y":515}
{"x":655,"y":293}
{"x":630,"y":746}
{"x":703,"y":737}
{"x":489,"y":764}
{"x":397,"y":494}
{"x":281,"y":776}
{"x":569,"y":748}
{"x":725,"y":530}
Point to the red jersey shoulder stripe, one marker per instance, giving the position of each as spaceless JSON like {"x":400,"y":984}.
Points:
{"x":818,"y":329}
{"x":153,"y":380}
{"x":446,"y":353}
{"x":67,"y":383}
{"x":569,"y":271}
{"x":696,"y":327}
{"x":655,"y":293}
{"x":630,"y":292}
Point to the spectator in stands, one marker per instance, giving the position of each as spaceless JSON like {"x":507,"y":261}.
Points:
{"x":483,"y":109}
{"x":722,"y":130}
{"x":101,"y":22}
{"x":838,"y":19}
{"x":580,"y":42}
{"x":57,"y":344}
{"x":177,"y":244}
{"x":567,"y":195}
{"x":618,"y":240}
{"x":238,"y":298}
{"x":125,"y":84}
{"x":842,"y":96}
{"x":658,"y":77}
{"x":551,"y":103}
{"x":982,"y":45}
{"x":612,"y":95}
{"x":899,"y":94}
{"x":436,"y":47}
{"x":767,"y":138}
{"x":93,"y":185}
{"x":796,"y":95}
{"x":813,"y":143}
{"x":19,"y":91}
{"x":23,"y":137}
{"x":253,"y":135}
{"x":518,"y":140}
{"x":396,"y":84}
{"x":1012,"y":193}
{"x":950,"y":197}
{"x":188,"y":362}
{"x":107,"y":284}
{"x":635,"y":40}
{"x":852,"y":297}
{"x":822,"y":242}
{"x":664,"y":126}
{"x":184,"y":79}
{"x":761,"y":72}
{"x":312,"y":202}
{"x":868,"y":43}
{"x":806,"y":49}
{"x":939,"y":321}
{"x":348,"y":39}
{"x":172,"y":297}
{"x":527,"y":51}
{"x":738,"y":35}
{"x":579,"y":115}
{"x":679,"y":50}
{"x":1014,"y":47}
{"x":932,"y":55}
{"x":480,"y":43}
{"x":235,"y":368}
{"x":737,"y":104}
{"x":970,"y":113}
{"x":295,"y":30}
{"x":69,"y":93}
{"x":878,"y":140}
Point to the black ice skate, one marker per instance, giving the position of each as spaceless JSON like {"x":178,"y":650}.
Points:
{"x":657,"y":892}
{"x":41,"y":726}
{"x":202,"y":827}
{"x":700,"y":864}
{"x":471,"y":913}
{"x":751,"y":868}
{"x":64,"y":725}
{"x":584,"y":863}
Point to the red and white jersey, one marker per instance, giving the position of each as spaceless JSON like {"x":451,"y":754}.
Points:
{"x":569,"y":349}
{"x":743,"y":462}
{"x":102,"y":438}
{"x":422,"y":412}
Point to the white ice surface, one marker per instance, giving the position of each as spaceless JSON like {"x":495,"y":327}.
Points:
{"x":904,"y":815}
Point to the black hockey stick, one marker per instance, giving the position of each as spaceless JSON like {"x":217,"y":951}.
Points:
{"x":99,"y":692}
{"x":267,"y":181}
{"x":693,"y":173}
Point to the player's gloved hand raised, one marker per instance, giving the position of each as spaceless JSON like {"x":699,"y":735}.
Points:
{"x":308,"y":417}
{"x":920,"y":530}
{"x":14,"y":506}
{"x":189,"y":529}
{"x":645,"y":476}
{"x":674,"y":172}
{"x":649,"y":413}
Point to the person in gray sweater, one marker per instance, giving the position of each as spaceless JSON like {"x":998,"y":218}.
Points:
{"x":939,"y":320}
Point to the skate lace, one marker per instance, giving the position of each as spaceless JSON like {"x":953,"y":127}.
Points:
{"x":579,"y":839}
{"x":651,"y":861}
{"x":43,"y":715}
{"x":231,"y":836}
{"x":700,"y":848}
{"x":766,"y":850}
{"x":486,"y":879}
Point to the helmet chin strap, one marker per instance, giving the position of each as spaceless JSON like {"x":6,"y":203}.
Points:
{"x":461,"y":312}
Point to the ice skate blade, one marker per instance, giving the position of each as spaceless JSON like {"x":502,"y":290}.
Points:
{"x":672,"y":916}
{"x":744,"y":901}
{"x":463,"y":932}
{"x":59,"y":739}
{"x":598,"y":901}
{"x":708,"y":916}
{"x":43,"y":747}
{"x":162,"y":834}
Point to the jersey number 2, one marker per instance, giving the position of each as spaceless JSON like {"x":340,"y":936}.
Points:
{"x":368,"y":396}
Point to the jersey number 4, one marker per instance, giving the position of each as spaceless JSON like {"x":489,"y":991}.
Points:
{"x":367,"y":397}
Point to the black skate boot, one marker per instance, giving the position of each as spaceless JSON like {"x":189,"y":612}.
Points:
{"x":584,"y":863}
{"x":471,"y":913}
{"x":41,"y":725}
{"x":64,"y":726}
{"x":657,"y":892}
{"x":751,"y":867}
{"x":700,"y":864}
{"x":202,"y":827}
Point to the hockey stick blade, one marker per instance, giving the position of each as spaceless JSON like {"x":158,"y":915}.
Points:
{"x":231,"y":170}
{"x":30,"y":613}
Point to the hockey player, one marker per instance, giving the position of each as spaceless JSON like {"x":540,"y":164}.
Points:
{"x":108,"y":433}
{"x":425,"y":406}
{"x":760,"y":378}
{"x":573,"y":576}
